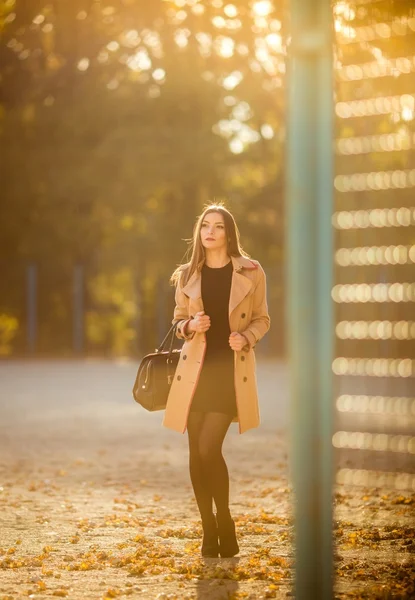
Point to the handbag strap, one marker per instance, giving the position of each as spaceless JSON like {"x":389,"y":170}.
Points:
{"x":171,"y":332}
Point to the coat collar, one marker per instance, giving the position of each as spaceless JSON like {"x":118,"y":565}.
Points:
{"x":241,"y":284}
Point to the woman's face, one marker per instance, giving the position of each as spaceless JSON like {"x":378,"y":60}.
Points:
{"x":213,"y":232}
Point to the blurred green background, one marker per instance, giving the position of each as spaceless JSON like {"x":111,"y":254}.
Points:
{"x":120,"y":119}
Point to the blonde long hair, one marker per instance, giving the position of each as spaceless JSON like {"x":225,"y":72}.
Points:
{"x":196,"y":248}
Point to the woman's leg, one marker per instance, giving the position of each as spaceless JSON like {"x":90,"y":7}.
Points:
{"x":210,"y":479}
{"x":213,"y":431}
{"x":211,"y":436}
{"x":201,"y":486}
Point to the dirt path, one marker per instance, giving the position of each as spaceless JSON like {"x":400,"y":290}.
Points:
{"x":96,"y":502}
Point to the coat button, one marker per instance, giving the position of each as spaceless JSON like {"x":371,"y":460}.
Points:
{"x":184,"y":357}
{"x":179,"y":377}
{"x":243,"y":315}
{"x":245,"y":378}
{"x":242,"y":357}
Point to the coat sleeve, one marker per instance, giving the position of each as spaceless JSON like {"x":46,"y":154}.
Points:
{"x":181,"y":314}
{"x":260,"y":321}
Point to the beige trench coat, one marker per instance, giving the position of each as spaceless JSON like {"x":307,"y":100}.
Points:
{"x":248,"y":314}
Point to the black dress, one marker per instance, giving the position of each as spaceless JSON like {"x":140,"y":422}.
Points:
{"x":215,"y":390}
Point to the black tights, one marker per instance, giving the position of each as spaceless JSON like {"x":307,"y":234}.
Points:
{"x":208,"y":470}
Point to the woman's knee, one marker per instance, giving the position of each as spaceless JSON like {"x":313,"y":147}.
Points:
{"x":209,"y":453}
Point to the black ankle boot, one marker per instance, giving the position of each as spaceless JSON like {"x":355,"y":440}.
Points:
{"x":210,"y":543}
{"x":228,"y":544}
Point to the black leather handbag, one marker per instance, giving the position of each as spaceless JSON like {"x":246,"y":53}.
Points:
{"x":155,"y":374}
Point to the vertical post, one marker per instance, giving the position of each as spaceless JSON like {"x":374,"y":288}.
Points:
{"x":309,"y":273}
{"x":265,"y":346}
{"x":78,"y":309}
{"x":138,"y":345}
{"x":161,"y":309}
{"x":31,"y":307}
{"x":325,"y":315}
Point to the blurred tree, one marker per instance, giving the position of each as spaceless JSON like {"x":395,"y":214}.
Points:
{"x":123,"y":118}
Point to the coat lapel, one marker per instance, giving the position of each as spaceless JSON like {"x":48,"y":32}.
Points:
{"x":240,"y":287}
{"x":193,"y":287}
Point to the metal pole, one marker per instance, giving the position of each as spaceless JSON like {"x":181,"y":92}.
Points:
{"x":309,"y":272}
{"x":31,"y":307}
{"x":78,"y":309}
{"x":161,"y":309}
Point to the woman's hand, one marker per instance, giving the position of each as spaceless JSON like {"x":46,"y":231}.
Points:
{"x":200,"y":323}
{"x":237,"y":341}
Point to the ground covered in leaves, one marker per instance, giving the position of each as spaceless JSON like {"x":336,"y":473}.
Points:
{"x":96,"y":503}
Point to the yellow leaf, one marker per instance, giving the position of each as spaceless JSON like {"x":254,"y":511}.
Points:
{"x":111,"y":593}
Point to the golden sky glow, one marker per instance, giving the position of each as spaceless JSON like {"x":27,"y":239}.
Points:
{"x":140,"y":50}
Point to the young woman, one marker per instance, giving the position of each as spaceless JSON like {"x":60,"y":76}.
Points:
{"x":221,"y":310}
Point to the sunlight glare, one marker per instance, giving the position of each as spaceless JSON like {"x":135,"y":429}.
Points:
{"x":205,"y":43}
{"x":267,"y":132}
{"x":274,"y":40}
{"x":83,"y":64}
{"x":113,"y":46}
{"x":262,"y":54}
{"x":113,"y":84}
{"x":198,"y":9}
{"x":235,"y":126}
{"x":275,"y":25}
{"x":231,"y":81}
{"x":230,"y":10}
{"x":139,"y":61}
{"x":262,"y":8}
{"x":208,"y":76}
{"x":260,"y":23}
{"x":102,"y":57}
{"x":130,"y":39}
{"x":151,"y":38}
{"x":248,"y":135}
{"x":407,"y":113}
{"x":108,"y":11}
{"x":236,"y":146}
{"x":180,"y":16}
{"x":159,"y":75}
{"x":233,"y":24}
{"x":38,"y":20}
{"x":225,"y":46}
{"x":230,"y":100}
{"x":219,"y":22}
{"x":181,"y":37}
{"x":242,"y":112}
{"x":242,"y":49}
{"x":224,"y":128}
{"x":10,"y":18}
